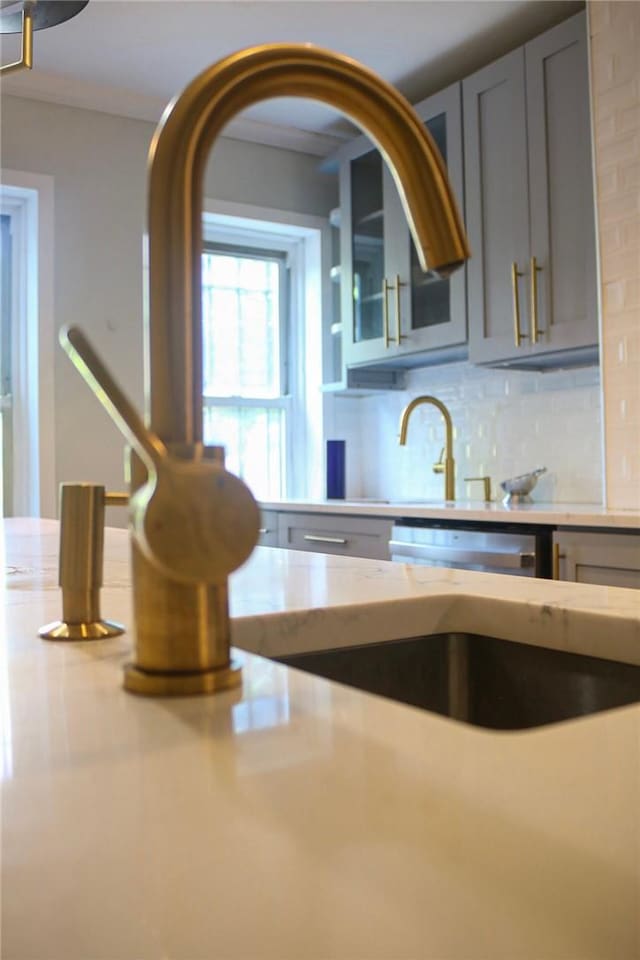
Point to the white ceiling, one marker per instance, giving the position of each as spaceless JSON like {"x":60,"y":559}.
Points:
{"x":130,"y":57}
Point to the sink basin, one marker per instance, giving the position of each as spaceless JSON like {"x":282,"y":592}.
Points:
{"x":480,"y":680}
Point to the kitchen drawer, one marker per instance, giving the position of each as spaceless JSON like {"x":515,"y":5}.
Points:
{"x":347,"y":536}
{"x":268,"y":528}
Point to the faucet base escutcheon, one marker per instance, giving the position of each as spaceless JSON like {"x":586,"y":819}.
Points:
{"x":93,"y":630}
{"x":149,"y":684}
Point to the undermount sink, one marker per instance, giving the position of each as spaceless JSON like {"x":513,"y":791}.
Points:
{"x":480,"y":680}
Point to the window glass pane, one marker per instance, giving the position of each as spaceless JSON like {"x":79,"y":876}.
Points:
{"x":241,"y":326}
{"x":253,"y":438}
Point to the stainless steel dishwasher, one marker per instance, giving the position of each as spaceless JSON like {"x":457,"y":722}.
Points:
{"x":465,"y":549}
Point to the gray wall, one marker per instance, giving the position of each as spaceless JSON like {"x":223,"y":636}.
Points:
{"x":98,"y":162}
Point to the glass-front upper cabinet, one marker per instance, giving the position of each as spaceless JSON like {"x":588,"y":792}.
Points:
{"x":390,"y":308}
{"x":367,"y":245}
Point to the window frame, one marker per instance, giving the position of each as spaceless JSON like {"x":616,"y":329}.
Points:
{"x":256,"y":253}
{"x":283,"y":402}
{"x":305,"y":239}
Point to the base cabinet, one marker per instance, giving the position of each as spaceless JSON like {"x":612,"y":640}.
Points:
{"x":345,"y":536}
{"x":268,"y":529}
{"x":610,"y":559}
{"x":607,"y":558}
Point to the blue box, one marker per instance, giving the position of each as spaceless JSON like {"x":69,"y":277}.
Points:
{"x":336,"y":475}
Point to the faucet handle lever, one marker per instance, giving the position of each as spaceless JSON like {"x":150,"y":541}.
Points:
{"x":85,"y":359}
{"x":195,"y":521}
{"x":438,"y":466}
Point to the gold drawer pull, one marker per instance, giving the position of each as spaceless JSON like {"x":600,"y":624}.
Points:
{"x":314,"y":539}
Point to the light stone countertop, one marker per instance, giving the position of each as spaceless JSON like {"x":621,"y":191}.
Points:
{"x":553,"y":514}
{"x":299,"y":818}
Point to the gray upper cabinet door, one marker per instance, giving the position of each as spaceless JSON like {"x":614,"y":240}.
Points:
{"x":496,"y":190}
{"x":390,"y":309}
{"x":530,"y":211}
{"x":561,"y":186}
{"x":429,"y":312}
{"x":363,"y":237}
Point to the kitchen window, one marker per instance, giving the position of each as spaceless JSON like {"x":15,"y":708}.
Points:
{"x":246,"y":346}
{"x":264,"y":293}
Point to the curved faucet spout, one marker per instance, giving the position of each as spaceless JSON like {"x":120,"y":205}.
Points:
{"x":449,"y":466}
{"x":177,"y":163}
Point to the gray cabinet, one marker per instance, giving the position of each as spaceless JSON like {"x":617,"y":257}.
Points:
{"x":339,"y":534}
{"x":268,"y":536}
{"x":611,"y":559}
{"x":391,"y":311}
{"x":529,"y":204}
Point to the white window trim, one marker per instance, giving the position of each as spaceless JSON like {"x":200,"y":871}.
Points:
{"x":28,"y":199}
{"x":307,"y":241}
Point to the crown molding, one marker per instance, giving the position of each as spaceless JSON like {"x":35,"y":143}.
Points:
{"x":68,"y":91}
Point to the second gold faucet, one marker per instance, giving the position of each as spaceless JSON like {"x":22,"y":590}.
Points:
{"x":447,"y":466}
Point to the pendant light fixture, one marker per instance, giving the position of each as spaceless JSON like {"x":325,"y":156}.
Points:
{"x":25,"y":16}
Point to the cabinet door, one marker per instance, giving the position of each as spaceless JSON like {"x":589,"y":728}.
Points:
{"x":529,"y":201}
{"x":391,"y":307}
{"x":496,"y":204}
{"x":366,"y":334}
{"x":429,"y":312}
{"x":340,"y":534}
{"x":560,"y":187}
{"x":610,"y":559}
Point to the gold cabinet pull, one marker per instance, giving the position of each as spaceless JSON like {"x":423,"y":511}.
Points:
{"x":386,"y":286}
{"x":535,"y":270}
{"x":518,"y":335}
{"x":397,"y":286}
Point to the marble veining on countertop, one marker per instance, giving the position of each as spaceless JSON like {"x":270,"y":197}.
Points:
{"x":554,"y":514}
{"x":298,"y":818}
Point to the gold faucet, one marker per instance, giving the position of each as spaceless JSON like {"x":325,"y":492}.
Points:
{"x":448,"y":466}
{"x":192,"y":523}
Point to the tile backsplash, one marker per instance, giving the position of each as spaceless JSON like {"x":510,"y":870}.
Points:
{"x":505,"y":423}
{"x":614,"y":30}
